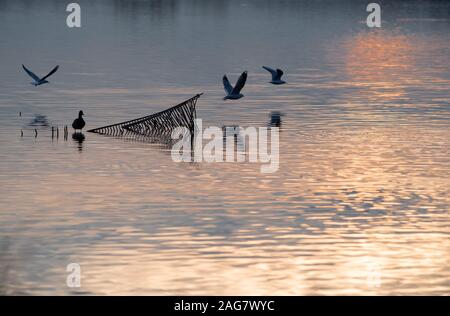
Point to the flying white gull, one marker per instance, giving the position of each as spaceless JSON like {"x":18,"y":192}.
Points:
{"x":38,"y":81}
{"x":234,"y":93}
{"x":276,"y":75}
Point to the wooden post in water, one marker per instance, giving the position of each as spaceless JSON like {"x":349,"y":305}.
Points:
{"x":66,"y":132}
{"x":35,"y":133}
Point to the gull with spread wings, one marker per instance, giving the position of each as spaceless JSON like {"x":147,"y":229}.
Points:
{"x":38,"y":81}
{"x":276,"y":75}
{"x":234,"y":93}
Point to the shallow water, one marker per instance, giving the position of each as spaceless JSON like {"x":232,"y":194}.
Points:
{"x":360,"y":203}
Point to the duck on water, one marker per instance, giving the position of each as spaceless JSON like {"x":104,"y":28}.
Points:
{"x":79,"y":123}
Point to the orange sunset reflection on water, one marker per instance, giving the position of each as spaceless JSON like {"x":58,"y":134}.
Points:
{"x":377,"y":63}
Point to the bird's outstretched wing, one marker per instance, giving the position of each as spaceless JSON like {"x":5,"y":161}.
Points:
{"x":31,"y":74}
{"x":279,"y":74}
{"x":272,"y":71}
{"x":51,"y":72}
{"x":240,"y":83}
{"x":226,"y":85}
{"x":276,"y":74}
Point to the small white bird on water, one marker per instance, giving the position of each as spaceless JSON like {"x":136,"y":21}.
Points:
{"x":276,"y":75}
{"x":38,"y":81}
{"x":234,"y":93}
{"x":79,"y":123}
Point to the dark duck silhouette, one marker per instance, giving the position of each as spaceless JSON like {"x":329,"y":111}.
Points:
{"x":79,"y":123}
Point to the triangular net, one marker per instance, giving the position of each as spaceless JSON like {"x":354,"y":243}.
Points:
{"x":158,"y":126}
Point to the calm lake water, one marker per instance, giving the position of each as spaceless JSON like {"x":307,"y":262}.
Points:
{"x":360,"y":203}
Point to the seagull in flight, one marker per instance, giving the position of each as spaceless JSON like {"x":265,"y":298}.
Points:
{"x":276,"y":75}
{"x":38,"y":81}
{"x":234,"y":93}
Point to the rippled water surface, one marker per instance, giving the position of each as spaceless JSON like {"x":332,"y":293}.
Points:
{"x":360,"y":203}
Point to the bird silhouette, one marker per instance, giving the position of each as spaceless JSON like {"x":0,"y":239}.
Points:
{"x":234,"y":93}
{"x":276,"y":75}
{"x":38,"y":81}
{"x":79,"y":123}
